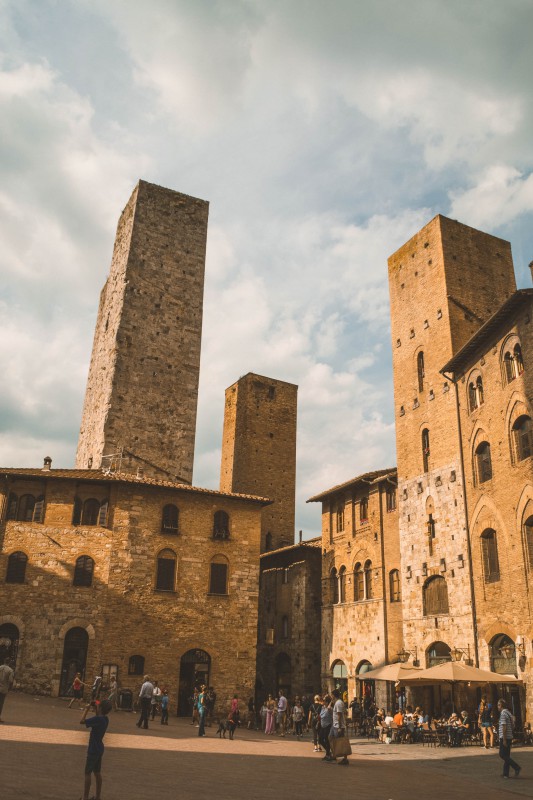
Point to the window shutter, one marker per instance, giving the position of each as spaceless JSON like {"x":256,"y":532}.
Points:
{"x":102,"y":514}
{"x":38,"y":511}
{"x":76,"y":516}
{"x":12,"y":506}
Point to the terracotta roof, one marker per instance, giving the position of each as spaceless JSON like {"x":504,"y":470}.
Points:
{"x":121,"y":477}
{"x":368,"y":477}
{"x":468,"y":350}
{"x":316,"y":541}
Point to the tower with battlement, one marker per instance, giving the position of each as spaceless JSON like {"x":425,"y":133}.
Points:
{"x":139,"y":413}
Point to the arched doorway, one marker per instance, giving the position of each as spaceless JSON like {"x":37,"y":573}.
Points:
{"x":503,"y":660}
{"x":195,"y":666}
{"x":283,"y":674}
{"x":75,"y":649}
{"x":366,"y":688}
{"x":340,"y":676}
{"x":9,"y":644}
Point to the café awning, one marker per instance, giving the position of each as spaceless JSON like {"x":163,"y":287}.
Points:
{"x":391,"y":672}
{"x":457,"y":672}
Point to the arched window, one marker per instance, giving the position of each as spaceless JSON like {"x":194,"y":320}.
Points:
{"x":394,"y":586}
{"x":435,"y":597}
{"x":268,"y":541}
{"x":369,"y":590}
{"x":503,"y":655}
{"x":363,"y":510}
{"x":489,"y":552}
{"x":391,"y":498}
{"x":16,"y":567}
{"x":358,"y":583}
{"x":334,"y":586}
{"x":508,"y":367}
{"x":136,"y":665}
{"x":221,"y":525}
{"x":438,"y":653}
{"x":12,"y":505}
{"x":83,"y":571}
{"x":340,"y":516}
{"x":28,"y":509}
{"x":475,"y":393}
{"x":285,"y":627}
{"x":25,"y":509}
{"x":513,"y":363}
{"x":483,"y":463}
{"x":523,"y":437}
{"x":425,"y":449}
{"x":90,"y":512}
{"x":218,"y":575}
{"x":528,"y":541}
{"x":170,"y":519}
{"x":420,"y":371}
{"x":166,"y":571}
{"x":342,"y":585}
{"x":518,"y":360}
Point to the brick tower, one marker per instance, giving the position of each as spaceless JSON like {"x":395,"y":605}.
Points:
{"x":141,"y":396}
{"x":444,"y":283}
{"x":259,"y":451}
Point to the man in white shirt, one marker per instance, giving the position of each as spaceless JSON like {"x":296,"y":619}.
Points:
{"x":156,"y":699}
{"x":282,"y":712}
{"x":145,"y":696}
{"x":6,"y":682}
{"x":338,"y":729}
{"x":505,"y":736}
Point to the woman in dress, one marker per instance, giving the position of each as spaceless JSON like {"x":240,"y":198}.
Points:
{"x":271,"y":709}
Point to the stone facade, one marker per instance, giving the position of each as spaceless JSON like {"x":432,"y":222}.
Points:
{"x":123,"y":613}
{"x":259,"y":450}
{"x":141,"y":397}
{"x":288,"y":649}
{"x":361,"y":587}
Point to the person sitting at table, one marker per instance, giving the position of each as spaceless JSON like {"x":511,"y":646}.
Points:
{"x":398,"y":718}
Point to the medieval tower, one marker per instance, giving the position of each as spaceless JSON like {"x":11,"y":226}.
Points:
{"x":444,"y":284}
{"x":259,"y":451}
{"x":141,"y":398}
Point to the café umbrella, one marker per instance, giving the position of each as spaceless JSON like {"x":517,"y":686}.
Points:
{"x":456,"y":672}
{"x":391,"y":672}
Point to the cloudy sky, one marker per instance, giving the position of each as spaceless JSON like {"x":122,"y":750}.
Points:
{"x":323,"y":134}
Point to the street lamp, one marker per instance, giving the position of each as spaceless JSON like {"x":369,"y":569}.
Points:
{"x":508,"y":650}
{"x":459,"y":652}
{"x":404,"y":655}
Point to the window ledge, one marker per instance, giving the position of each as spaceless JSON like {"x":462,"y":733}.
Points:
{"x":169,"y":531}
{"x":215,"y":594}
{"x":165,"y":591}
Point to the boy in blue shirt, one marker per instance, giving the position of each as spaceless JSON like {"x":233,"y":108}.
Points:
{"x":164,"y":708}
{"x":98,"y":726}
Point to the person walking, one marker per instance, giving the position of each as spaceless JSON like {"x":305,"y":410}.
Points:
{"x":113,"y":692}
{"x":298,"y":718}
{"x":270,"y":727}
{"x":164,"y":708}
{"x":313,"y":721}
{"x":6,"y":682}
{"x":338,"y":730}
{"x":77,"y":690}
{"x":326,"y":720}
{"x":154,"y":702}
{"x":145,"y":697}
{"x":505,"y":734}
{"x":485,"y":723}
{"x":282,"y":713}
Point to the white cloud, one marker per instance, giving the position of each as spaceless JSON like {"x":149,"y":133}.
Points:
{"x":500,"y":194}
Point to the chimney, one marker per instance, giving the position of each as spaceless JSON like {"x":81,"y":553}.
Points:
{"x":47,"y":465}
{"x":300,"y":533}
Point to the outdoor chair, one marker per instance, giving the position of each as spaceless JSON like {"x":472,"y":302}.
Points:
{"x":442,"y":736}
{"x":429,"y":735}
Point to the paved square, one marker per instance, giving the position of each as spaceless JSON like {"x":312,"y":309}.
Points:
{"x":42,"y":755}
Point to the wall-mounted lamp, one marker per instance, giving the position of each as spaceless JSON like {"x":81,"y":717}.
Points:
{"x":459,"y":652}
{"x":404,"y":655}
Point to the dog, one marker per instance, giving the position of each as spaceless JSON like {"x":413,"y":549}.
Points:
{"x":226,"y":725}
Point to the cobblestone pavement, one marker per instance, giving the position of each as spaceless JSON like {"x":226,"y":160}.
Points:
{"x":42,"y":755}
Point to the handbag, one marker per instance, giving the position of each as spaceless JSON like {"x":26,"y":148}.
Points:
{"x":340,"y":746}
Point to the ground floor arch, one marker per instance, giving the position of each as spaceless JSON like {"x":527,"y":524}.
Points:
{"x":9,"y":644}
{"x":75,"y":647}
{"x":339,"y":672}
{"x":195,"y":669}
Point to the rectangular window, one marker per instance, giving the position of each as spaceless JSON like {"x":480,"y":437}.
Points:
{"x":218,"y":579}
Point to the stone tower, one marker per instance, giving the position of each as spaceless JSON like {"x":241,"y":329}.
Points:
{"x":444,"y":284}
{"x":141,"y":397}
{"x":259,"y":451}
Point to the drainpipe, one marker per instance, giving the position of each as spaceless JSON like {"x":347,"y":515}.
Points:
{"x":468,"y":542}
{"x":383,"y":575}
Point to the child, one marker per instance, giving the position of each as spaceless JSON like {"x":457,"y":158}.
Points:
{"x":77,"y":689}
{"x":95,"y":750}
{"x":233,"y":721}
{"x":164,"y":708}
{"x":297,"y":717}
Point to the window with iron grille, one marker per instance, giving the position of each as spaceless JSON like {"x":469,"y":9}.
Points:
{"x":489,"y":550}
{"x":435,"y":596}
{"x":166,"y":571}
{"x":16,"y":567}
{"x":83,"y":571}
{"x":218,"y":577}
{"x":169,"y":523}
{"x":221,"y":525}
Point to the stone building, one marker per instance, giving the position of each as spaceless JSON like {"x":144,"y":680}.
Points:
{"x":142,"y":391}
{"x":288,"y":637}
{"x":111,"y":572}
{"x":259,"y":450}
{"x":453,"y":295}
{"x":361,"y":584}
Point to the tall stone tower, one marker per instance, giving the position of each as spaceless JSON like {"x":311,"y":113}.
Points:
{"x":444,"y":283}
{"x":141,"y":396}
{"x":259,"y":451}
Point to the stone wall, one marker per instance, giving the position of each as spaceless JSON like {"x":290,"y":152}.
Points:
{"x":142,"y":388}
